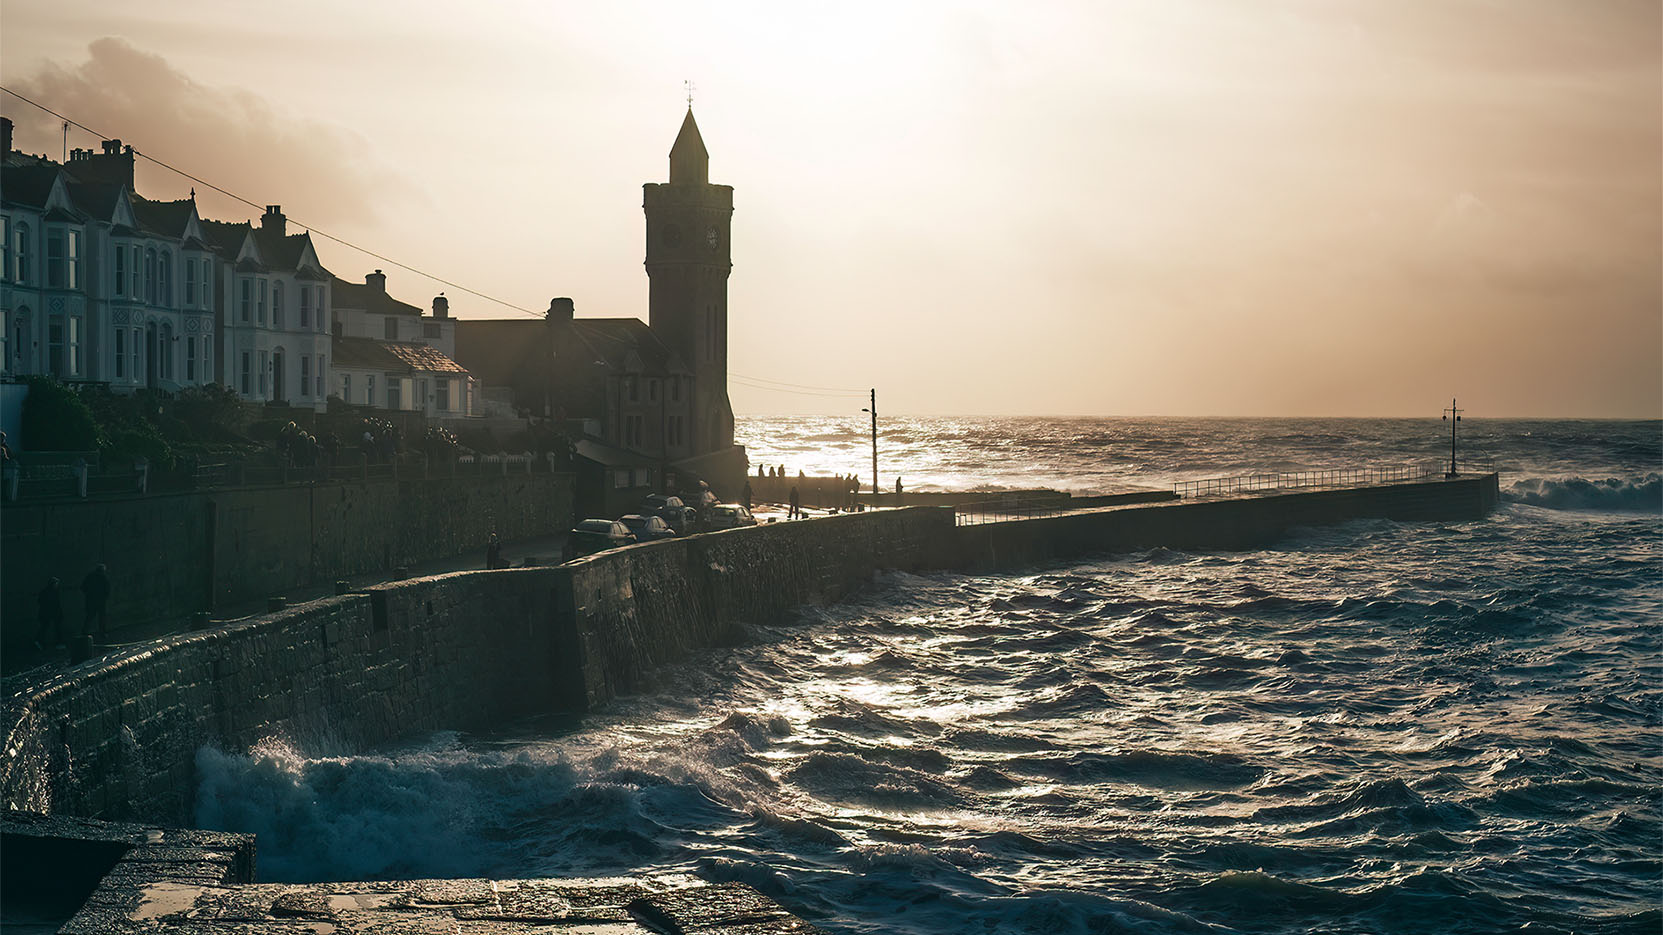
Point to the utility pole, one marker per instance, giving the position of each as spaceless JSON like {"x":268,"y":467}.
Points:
{"x":874,"y":412}
{"x":1456,"y":413}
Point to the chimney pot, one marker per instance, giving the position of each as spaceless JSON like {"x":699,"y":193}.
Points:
{"x":112,"y":147}
{"x":441,"y":306}
{"x":273,"y":220}
{"x":377,"y":281}
{"x":5,"y":135}
{"x":560,"y":310}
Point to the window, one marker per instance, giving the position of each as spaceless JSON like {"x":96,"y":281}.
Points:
{"x":134,"y":347}
{"x":620,"y":478}
{"x":442,"y":387}
{"x":420,"y":400}
{"x":305,"y":307}
{"x":394,"y":384}
{"x":150,"y":276}
{"x":390,"y":326}
{"x":5,"y":355}
{"x":346,"y":387}
{"x":305,"y":374}
{"x":190,"y":358}
{"x":23,"y":253}
{"x":120,"y":353}
{"x":265,"y":372}
{"x":164,"y":352}
{"x":320,"y":307}
{"x":260,"y":303}
{"x":5,"y":249}
{"x":20,"y":343}
{"x":652,"y":391}
{"x":55,"y":347}
{"x":190,"y":282}
{"x":319,"y":377}
{"x":55,"y":258}
{"x":248,"y":297}
{"x":245,"y":375}
{"x":207,"y":271}
{"x":369,"y":390}
{"x":633,"y":387}
{"x":277,"y":305}
{"x":75,"y":368}
{"x":134,"y":270}
{"x":675,"y":389}
{"x":632,"y":430}
{"x":164,"y":284}
{"x":430,"y":329}
{"x":207,"y":357}
{"x":120,"y":270}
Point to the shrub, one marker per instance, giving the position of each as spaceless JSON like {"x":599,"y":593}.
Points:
{"x":56,"y":419}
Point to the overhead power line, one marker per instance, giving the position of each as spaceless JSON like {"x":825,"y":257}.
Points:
{"x":236,"y":197}
{"x":752,"y":382}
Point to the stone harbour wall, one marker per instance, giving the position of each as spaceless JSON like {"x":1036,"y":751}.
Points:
{"x":171,"y":555}
{"x":117,"y":737}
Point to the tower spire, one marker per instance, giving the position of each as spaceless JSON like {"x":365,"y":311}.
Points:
{"x":689,"y":162}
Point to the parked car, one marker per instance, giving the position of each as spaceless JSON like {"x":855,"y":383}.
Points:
{"x":671,"y":510}
{"x":596,"y":535}
{"x":729,"y":516}
{"x":647,"y":528}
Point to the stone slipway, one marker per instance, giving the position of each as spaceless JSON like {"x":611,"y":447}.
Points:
{"x":139,"y":879}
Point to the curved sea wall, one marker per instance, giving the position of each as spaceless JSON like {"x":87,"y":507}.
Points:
{"x":117,"y":737}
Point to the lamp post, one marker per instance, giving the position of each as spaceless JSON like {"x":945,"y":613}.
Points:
{"x":874,"y":412}
{"x":1456,"y":413}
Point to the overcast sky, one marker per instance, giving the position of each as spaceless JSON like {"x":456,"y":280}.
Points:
{"x":1112,"y":207}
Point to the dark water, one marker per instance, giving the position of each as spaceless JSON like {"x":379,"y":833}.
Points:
{"x":1376,"y":727}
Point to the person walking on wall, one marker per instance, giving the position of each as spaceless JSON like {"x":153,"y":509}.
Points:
{"x":796,"y":505}
{"x":493,"y":552}
{"x":95,"y":589}
{"x":897,"y":491}
{"x":50,"y":602}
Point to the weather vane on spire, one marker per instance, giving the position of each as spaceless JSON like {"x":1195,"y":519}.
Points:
{"x":689,"y":86}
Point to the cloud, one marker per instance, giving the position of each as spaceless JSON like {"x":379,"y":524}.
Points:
{"x":321,"y":173}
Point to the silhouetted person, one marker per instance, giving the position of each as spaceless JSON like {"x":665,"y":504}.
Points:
{"x":493,"y":552}
{"x":795,"y":505}
{"x":50,"y":613}
{"x":95,"y":588}
{"x":897,"y":491}
{"x":745,"y":495}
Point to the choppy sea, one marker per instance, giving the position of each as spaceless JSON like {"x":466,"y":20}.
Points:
{"x":1373,"y":727}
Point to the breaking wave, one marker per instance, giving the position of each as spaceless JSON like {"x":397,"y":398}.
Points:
{"x":1642,"y":495}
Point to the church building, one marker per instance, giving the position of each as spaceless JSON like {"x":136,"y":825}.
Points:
{"x":647,"y":401}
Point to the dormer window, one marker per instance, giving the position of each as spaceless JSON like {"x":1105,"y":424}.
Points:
{"x":390,"y":327}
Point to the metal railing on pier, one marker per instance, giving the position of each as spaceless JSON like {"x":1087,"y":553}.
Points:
{"x":1286,"y":480}
{"x":1004,"y":510}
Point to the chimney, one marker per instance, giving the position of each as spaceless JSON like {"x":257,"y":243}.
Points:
{"x":112,"y":147}
{"x":560,"y":311}
{"x":5,"y":135}
{"x":273,"y":220}
{"x":441,"y":306}
{"x":377,"y":281}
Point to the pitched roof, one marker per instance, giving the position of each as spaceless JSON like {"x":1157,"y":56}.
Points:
{"x":280,"y":251}
{"x":224,"y":237}
{"x":359,"y":296}
{"x":27,"y":185}
{"x":422,"y":357}
{"x":612,"y":340}
{"x":167,"y":218}
{"x":365,"y":354}
{"x":98,"y":199}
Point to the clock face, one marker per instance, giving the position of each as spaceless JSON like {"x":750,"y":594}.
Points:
{"x":671,"y":235}
{"x":710,"y":237}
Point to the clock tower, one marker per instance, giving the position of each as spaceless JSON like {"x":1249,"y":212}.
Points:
{"x":688,"y":262}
